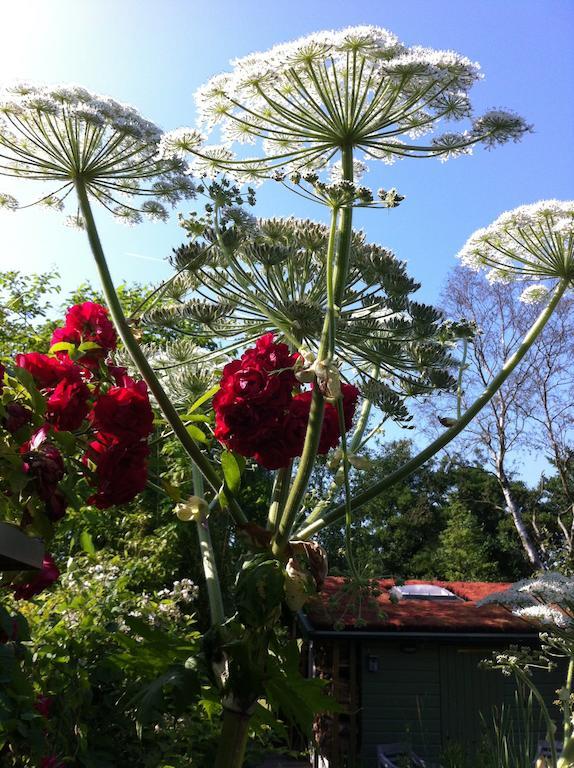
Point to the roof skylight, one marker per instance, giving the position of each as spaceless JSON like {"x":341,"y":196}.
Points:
{"x":422,"y":592}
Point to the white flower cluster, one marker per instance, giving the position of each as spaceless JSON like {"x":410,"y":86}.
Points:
{"x":358,"y":87}
{"x":336,"y":171}
{"x":530,"y":242}
{"x":103,"y":582}
{"x":65,"y":135}
{"x":184,"y":591}
{"x":534,"y":294}
{"x":547,"y":599}
{"x":545,"y":614}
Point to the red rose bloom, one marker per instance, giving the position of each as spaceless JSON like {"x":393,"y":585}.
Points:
{"x":121,"y":471}
{"x":350,"y":396}
{"x":330,"y":433}
{"x":257,"y":415}
{"x":48,"y":371}
{"x":299,"y":416}
{"x":119,"y":374}
{"x":51,"y":761}
{"x":67,"y":406}
{"x":44,"y":705}
{"x":243,"y":427}
{"x":55,"y":507}
{"x":17,"y":415}
{"x":124,"y":412}
{"x":45,"y":466}
{"x":88,"y":322}
{"x":37,"y":582}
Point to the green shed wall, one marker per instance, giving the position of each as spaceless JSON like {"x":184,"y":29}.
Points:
{"x":433,"y":696}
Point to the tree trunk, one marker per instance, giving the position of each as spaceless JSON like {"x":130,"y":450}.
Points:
{"x":514,"y":510}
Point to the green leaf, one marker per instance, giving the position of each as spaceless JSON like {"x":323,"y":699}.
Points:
{"x":233,"y":466}
{"x":62,"y":346}
{"x":182,"y":684}
{"x":197,"y":434}
{"x":87,"y":346}
{"x":87,"y":543}
{"x":26,"y":379}
{"x":172,"y":490}
{"x":197,"y":417}
{"x":204,"y":398}
{"x":299,"y":699}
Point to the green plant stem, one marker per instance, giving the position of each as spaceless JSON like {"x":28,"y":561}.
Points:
{"x":551,"y":728}
{"x":567,"y":757}
{"x":347,"y":488}
{"x":279,"y":496}
{"x":338,"y":253}
{"x":417,"y":461}
{"x":233,"y":740}
{"x":208,"y":562}
{"x":140,"y":360}
{"x":356,"y":444}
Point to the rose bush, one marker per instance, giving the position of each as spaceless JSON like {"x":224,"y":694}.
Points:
{"x":73,"y":425}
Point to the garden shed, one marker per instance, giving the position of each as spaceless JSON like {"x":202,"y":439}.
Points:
{"x":404,"y":662}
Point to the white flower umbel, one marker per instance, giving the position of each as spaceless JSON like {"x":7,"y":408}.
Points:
{"x":65,"y":135}
{"x":358,"y":88}
{"x":534,"y":294}
{"x":545,"y":614}
{"x":550,"y":589}
{"x":531,"y":242}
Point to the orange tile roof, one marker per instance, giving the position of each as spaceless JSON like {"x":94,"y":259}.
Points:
{"x":337,"y":608}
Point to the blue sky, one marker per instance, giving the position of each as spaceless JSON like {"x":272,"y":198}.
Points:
{"x":154,"y":56}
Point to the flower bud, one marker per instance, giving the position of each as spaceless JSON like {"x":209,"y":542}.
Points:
{"x":193,"y":509}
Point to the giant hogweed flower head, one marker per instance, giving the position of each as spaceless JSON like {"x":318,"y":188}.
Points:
{"x":356,"y":88}
{"x":546,"y":599}
{"x":532,"y":242}
{"x":63,"y":135}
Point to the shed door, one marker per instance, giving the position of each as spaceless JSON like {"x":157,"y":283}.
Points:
{"x":467,"y":690}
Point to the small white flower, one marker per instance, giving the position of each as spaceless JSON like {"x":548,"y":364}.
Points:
{"x":336,"y":171}
{"x":75,"y":222}
{"x":179,"y":143}
{"x":8,"y":202}
{"x":534,"y":294}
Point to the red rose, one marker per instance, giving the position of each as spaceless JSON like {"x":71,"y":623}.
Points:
{"x":121,"y":471}
{"x":45,"y":466}
{"x":119,"y":374}
{"x":268,"y":354}
{"x":330,"y":432}
{"x":51,"y":761}
{"x":37,"y":582}
{"x":44,"y":705}
{"x":299,"y":416}
{"x":48,"y":371}
{"x":67,"y":406}
{"x":350,"y":396}
{"x":88,"y":322}
{"x":16,"y":417}
{"x":276,"y":451}
{"x":243,"y":427}
{"x":55,"y":507}
{"x":124,"y":412}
